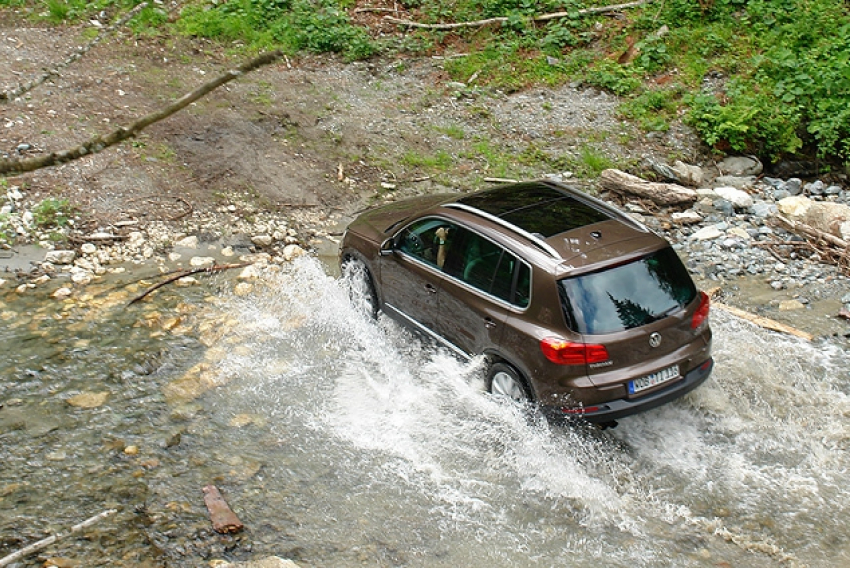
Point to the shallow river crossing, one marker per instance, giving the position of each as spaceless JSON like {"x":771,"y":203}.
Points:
{"x":344,"y":442}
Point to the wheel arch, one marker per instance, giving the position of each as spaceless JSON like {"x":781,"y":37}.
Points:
{"x":494,"y":356}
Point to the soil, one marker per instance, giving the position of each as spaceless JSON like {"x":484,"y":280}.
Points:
{"x":303,"y":143}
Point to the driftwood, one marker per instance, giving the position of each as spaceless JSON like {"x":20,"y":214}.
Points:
{"x":224,"y":520}
{"x":659,"y":193}
{"x":184,"y":273}
{"x":99,"y":143}
{"x":763,"y":322}
{"x":504,"y":19}
{"x":21,"y":89}
{"x":830,"y":248}
{"x":44,"y":543}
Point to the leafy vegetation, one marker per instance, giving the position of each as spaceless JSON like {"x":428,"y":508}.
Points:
{"x":770,"y":77}
{"x":52,"y":213}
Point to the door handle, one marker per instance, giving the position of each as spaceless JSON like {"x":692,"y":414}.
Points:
{"x":430,"y":288}
{"x":489,"y":323}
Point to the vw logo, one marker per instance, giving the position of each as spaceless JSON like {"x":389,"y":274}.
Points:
{"x":655,"y":339}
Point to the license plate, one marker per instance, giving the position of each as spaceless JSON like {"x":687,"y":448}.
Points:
{"x":649,"y":381}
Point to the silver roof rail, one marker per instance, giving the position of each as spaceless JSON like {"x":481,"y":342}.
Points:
{"x":536,"y":240}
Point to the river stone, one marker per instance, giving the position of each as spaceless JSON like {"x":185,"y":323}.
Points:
{"x":790,"y":305}
{"x":687,"y":174}
{"x":735,"y":181}
{"x":199,"y":261}
{"x":267,"y":562}
{"x":188,"y":242}
{"x":60,"y":256}
{"x":740,"y":166}
{"x":61,"y":293}
{"x":707,"y":234}
{"x":88,"y":399}
{"x":833,"y":218}
{"x":793,"y":186}
{"x":262,"y":240}
{"x":686,"y":217}
{"x":291,"y":252}
{"x":88,"y":248}
{"x":739,"y":198}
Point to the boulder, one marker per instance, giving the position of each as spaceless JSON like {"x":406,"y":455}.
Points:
{"x":740,"y":166}
{"x":828,"y":217}
{"x":737,"y":197}
{"x":60,"y":256}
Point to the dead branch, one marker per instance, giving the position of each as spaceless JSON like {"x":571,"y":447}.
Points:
{"x":808,"y":231}
{"x":827,"y":246}
{"x":99,"y":143}
{"x":21,"y":89}
{"x":223,"y":518}
{"x":44,"y":543}
{"x":184,"y":273}
{"x":503,"y":19}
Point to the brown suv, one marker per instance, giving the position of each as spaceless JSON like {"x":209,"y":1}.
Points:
{"x":579,"y":308}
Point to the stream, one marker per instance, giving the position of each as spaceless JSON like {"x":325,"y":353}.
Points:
{"x":340,"y":441}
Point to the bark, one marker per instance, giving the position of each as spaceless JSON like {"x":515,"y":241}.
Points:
{"x":224,"y":520}
{"x":99,"y":143}
{"x":659,"y":193}
{"x":503,"y":19}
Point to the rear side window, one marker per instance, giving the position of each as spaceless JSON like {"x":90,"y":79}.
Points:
{"x":488,"y":267}
{"x":627,"y":296}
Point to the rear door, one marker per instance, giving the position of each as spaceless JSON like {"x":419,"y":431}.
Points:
{"x":478,"y":294}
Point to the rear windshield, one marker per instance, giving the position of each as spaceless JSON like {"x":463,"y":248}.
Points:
{"x":627,"y":296}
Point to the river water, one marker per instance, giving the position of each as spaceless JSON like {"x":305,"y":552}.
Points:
{"x":342,"y":442}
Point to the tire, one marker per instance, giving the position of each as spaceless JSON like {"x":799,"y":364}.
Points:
{"x":505,"y":381}
{"x":361,"y":289}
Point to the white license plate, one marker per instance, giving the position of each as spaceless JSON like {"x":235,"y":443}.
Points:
{"x":650,"y":381}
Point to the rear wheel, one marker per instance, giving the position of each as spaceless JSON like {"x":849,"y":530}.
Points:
{"x":505,"y":381}
{"x":361,"y":290}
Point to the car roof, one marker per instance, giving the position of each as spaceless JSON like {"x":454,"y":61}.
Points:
{"x":577,"y":232}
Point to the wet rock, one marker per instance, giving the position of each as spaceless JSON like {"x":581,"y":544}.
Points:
{"x":88,"y":399}
{"x":61,"y":257}
{"x":62,"y":293}
{"x":833,"y":218}
{"x":131,"y":450}
{"x":243,"y":288}
{"x":267,"y":562}
{"x":186,"y":281}
{"x":291,"y":252}
{"x":249,"y":273}
{"x":789,"y":305}
{"x":200,"y":261}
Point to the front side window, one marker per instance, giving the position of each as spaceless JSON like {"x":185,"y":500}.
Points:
{"x":428,"y":240}
{"x":627,"y":296}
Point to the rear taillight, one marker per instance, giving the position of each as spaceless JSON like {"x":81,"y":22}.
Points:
{"x":562,"y":352}
{"x":701,"y":315}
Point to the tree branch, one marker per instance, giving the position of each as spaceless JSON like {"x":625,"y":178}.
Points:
{"x":36,"y":546}
{"x":21,"y":89}
{"x":99,"y":143}
{"x":504,"y":19}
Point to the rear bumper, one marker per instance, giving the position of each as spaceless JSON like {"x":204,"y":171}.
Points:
{"x":615,"y":409}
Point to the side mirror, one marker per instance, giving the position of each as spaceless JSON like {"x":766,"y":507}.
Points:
{"x":387,"y":247}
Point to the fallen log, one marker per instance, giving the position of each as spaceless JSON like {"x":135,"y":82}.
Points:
{"x":224,"y":520}
{"x":504,"y":19}
{"x":660,"y":193}
{"x":44,"y":543}
{"x":763,"y":322}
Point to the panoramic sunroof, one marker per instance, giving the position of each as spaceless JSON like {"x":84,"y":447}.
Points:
{"x":535,"y":208}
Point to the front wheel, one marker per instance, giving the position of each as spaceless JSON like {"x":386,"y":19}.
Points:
{"x":361,"y":290}
{"x":505,"y":381}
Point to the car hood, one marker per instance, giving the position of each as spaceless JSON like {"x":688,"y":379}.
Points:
{"x":380,"y":222}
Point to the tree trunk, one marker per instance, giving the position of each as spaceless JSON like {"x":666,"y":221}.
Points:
{"x":659,"y":193}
